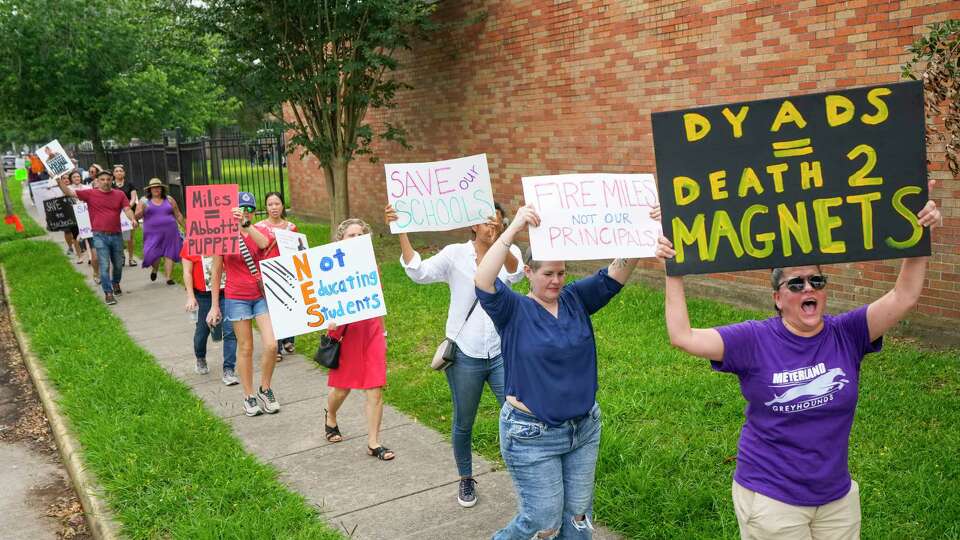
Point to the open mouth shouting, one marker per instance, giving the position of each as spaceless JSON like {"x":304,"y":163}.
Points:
{"x":809,"y":306}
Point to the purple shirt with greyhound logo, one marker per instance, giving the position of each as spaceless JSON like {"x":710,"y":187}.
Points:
{"x":801,"y":396}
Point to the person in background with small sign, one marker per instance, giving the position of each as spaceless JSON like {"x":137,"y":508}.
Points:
{"x":363,"y":366}
{"x":196,"y":280}
{"x":799,"y":372}
{"x":105,"y":205}
{"x":121,"y":183}
{"x":244,"y":302}
{"x":162,"y":222}
{"x":277,"y":219}
{"x":72,"y":236}
{"x":550,"y":422}
{"x":478,"y":359}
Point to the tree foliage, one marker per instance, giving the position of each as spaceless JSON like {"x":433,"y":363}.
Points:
{"x":102,"y":69}
{"x":329,"y":62}
{"x":936,"y":61}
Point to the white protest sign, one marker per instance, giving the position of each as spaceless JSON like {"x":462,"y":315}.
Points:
{"x":125,"y":223}
{"x":55,"y":158}
{"x":440,"y":195}
{"x":44,"y":191}
{"x":592,"y":216}
{"x":336,"y":282}
{"x":290,"y":242}
{"x":207,"y":264}
{"x":20,"y":163}
{"x":82,"y":214}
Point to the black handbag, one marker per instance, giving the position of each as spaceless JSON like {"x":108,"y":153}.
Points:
{"x":328,"y":353}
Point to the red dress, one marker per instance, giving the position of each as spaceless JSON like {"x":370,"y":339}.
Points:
{"x":363,"y":356}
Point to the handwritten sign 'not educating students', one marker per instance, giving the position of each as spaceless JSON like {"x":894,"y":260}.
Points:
{"x":211,"y":227}
{"x":337,"y":282}
{"x":440,"y":195}
{"x":822,"y":178}
{"x":592,"y":216}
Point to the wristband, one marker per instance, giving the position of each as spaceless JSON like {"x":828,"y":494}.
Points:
{"x":245,"y":224}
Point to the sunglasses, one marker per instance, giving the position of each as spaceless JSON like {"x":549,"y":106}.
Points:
{"x":797,"y":284}
{"x":248,"y":209}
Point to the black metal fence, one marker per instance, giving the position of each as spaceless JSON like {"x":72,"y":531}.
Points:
{"x":257,"y":162}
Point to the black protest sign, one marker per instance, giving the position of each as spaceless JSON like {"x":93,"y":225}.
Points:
{"x":59,"y":214}
{"x":821,"y":178}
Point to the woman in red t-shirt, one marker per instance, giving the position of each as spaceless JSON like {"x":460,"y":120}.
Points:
{"x":363,"y":366}
{"x":277,"y":219}
{"x":243,"y":303}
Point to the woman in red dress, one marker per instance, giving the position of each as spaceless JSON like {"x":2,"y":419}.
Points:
{"x":363,"y":366}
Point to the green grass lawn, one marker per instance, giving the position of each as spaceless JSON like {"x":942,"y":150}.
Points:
{"x":169,"y":467}
{"x":671,"y":424}
{"x":7,"y":232}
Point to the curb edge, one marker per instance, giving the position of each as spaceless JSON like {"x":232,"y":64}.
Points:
{"x":103,"y":525}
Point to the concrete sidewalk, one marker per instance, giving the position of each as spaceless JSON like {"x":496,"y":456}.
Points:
{"x":412,"y":496}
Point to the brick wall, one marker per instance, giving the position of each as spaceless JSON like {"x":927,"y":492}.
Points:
{"x":550,"y":87}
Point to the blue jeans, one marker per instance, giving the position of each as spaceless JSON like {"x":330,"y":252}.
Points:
{"x":553,"y":470}
{"x":202,"y":331}
{"x":109,"y":248}
{"x":466,"y":377}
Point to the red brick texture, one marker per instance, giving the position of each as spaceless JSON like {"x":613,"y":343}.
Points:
{"x":553,"y":86}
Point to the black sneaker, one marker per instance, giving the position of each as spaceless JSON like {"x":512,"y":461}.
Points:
{"x":109,"y":299}
{"x":467,"y":496}
{"x":116,"y":289}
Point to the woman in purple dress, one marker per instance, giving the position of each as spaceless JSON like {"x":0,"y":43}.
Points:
{"x":162,"y":221}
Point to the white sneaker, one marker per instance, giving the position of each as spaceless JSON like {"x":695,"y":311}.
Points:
{"x":201,"y":367}
{"x":251,"y":407}
{"x":270,"y":404}
{"x":230,"y":378}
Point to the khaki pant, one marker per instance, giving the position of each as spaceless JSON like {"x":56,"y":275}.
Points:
{"x":762,"y":518}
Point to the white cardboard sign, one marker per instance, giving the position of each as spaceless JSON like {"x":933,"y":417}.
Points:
{"x":82,"y":214}
{"x":44,"y":190}
{"x":289,"y":242}
{"x":440,"y":195}
{"x":592,"y":216}
{"x":337,"y":282}
{"x":55,"y":159}
{"x":125,"y":223}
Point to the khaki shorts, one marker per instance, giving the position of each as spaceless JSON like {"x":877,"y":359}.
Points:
{"x":762,"y":518}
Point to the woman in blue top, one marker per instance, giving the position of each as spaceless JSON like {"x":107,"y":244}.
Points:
{"x":550,"y":422}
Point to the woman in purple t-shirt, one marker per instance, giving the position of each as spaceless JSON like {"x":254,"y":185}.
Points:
{"x":799,"y":373}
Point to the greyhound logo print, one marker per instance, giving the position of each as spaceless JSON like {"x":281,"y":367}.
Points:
{"x":806,"y":388}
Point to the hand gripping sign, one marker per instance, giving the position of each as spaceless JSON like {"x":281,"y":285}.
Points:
{"x":822,"y":178}
{"x":440,"y":195}
{"x":592,"y":216}
{"x":211,"y":227}
{"x":337,"y":282}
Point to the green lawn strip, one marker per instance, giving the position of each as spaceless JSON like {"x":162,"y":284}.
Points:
{"x":168,"y":466}
{"x":671,"y":424}
{"x":31,"y":229}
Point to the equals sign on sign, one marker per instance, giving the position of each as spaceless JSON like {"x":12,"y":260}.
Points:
{"x":211,"y":214}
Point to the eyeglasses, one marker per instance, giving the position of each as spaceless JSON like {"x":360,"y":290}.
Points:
{"x":797,"y":284}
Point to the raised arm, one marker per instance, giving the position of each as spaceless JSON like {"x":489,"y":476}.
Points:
{"x":702,"y":342}
{"x":620,"y":269}
{"x":888,"y":310}
{"x":490,"y":266}
{"x":65,"y":187}
{"x":258,"y":237}
{"x":406,"y":248}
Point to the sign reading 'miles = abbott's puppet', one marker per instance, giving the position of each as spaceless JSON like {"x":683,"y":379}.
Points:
{"x":823,"y":178}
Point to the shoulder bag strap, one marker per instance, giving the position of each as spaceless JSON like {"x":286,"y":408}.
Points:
{"x":467,"y":318}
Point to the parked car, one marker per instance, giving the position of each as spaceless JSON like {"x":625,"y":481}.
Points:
{"x":9,"y":162}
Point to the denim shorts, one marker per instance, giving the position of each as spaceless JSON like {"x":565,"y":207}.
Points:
{"x":243,"y":310}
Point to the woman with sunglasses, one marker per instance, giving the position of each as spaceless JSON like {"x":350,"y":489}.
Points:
{"x":799,"y":372}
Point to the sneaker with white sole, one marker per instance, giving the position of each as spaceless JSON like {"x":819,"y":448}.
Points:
{"x":467,"y":494}
{"x":230,"y":378}
{"x":270,"y":404}
{"x":201,"y":366}
{"x":251,"y":407}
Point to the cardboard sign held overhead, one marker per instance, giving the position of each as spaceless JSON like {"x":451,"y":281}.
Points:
{"x":55,"y":159}
{"x":823,"y":178}
{"x":336,"y":282}
{"x":592,"y":216}
{"x":211,"y":227}
{"x":440,"y":195}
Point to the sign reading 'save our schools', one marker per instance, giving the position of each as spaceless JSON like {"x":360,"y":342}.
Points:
{"x":820,"y":178}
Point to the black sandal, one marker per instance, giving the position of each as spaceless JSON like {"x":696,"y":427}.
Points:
{"x":331,"y":432}
{"x":379,"y":453}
